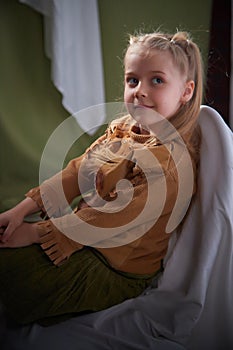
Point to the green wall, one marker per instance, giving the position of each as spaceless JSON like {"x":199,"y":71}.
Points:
{"x":31,"y":107}
{"x":123,"y":17}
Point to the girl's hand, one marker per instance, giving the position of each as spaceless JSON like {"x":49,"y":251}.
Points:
{"x":9,"y":221}
{"x":24,"y":235}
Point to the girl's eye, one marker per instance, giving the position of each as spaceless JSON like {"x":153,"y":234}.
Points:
{"x":132,"y":81}
{"x":157,"y":81}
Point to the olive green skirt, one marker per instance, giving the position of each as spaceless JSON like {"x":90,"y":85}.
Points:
{"x":33,"y":289}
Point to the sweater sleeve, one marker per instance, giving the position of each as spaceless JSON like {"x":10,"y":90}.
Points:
{"x":55,"y":194}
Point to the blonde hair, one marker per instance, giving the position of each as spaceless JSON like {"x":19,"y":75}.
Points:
{"x":187,"y":57}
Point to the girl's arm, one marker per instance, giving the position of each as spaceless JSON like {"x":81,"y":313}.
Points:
{"x":46,"y":197}
{"x":55,"y":194}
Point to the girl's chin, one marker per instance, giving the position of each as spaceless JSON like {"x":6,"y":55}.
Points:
{"x":146,"y":116}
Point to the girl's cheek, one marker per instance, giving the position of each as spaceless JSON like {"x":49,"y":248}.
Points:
{"x":129,"y":94}
{"x":126,"y":96}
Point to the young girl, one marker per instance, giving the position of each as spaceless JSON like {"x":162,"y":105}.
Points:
{"x":75,"y":263}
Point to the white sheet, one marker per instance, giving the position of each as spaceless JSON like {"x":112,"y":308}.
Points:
{"x":192,"y":304}
{"x":73,"y":43}
{"x":231,"y":81}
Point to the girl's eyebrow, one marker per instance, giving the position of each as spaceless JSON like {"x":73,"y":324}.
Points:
{"x":153,"y":72}
{"x":158,"y":72}
{"x":129,"y":72}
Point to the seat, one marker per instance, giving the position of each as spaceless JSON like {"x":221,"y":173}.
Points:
{"x":200,"y":266}
{"x":191,"y":305}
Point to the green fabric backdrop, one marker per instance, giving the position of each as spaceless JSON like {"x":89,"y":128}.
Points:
{"x":31,"y":107}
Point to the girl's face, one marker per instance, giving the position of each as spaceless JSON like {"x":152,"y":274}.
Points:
{"x":153,"y":83}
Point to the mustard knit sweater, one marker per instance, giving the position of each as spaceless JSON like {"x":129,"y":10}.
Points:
{"x":125,"y":221}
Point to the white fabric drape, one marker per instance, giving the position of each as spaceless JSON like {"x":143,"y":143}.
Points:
{"x":192,"y":304}
{"x":231,"y":86}
{"x":73,"y":43}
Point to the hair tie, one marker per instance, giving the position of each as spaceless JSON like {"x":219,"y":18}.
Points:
{"x":172,"y":41}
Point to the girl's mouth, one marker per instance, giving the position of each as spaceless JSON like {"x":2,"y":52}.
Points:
{"x":138,"y":106}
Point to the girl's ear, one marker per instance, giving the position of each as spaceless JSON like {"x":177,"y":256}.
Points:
{"x":188,"y":91}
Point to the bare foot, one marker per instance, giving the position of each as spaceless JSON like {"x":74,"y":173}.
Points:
{"x":25,"y":235}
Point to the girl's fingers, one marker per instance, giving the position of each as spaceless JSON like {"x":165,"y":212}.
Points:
{"x":7,"y":233}
{"x":2,"y":229}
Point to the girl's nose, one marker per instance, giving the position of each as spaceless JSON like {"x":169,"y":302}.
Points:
{"x":140,"y":91}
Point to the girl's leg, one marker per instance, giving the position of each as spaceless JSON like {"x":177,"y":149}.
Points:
{"x":34,"y":289}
